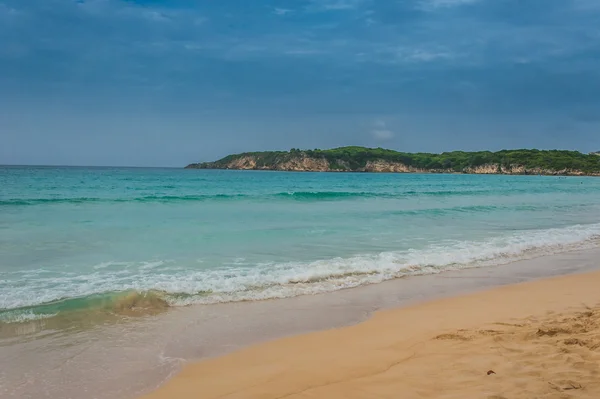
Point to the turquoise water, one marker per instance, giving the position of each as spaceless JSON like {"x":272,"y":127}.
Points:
{"x":79,"y":238}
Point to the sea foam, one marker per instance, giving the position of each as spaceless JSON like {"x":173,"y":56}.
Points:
{"x":47,"y":295}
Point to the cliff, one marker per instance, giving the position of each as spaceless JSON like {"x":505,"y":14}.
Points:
{"x":360,"y":159}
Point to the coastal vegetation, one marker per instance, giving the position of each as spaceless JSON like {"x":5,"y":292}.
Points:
{"x":361,"y":159}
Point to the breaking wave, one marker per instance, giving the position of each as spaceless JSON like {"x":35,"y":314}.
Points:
{"x":138,"y":289}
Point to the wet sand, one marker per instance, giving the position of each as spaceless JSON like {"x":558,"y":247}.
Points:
{"x":537,"y":339}
{"x":133,"y":358}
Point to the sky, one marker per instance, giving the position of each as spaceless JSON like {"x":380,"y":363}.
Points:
{"x":167,"y":83}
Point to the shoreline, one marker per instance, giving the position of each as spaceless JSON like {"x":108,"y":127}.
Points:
{"x":371,"y":358}
{"x":146,"y":354}
{"x":420,"y":172}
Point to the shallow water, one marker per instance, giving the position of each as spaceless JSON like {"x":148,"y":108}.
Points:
{"x":80,"y":245}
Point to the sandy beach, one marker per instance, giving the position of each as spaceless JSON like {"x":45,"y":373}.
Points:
{"x":537,"y":339}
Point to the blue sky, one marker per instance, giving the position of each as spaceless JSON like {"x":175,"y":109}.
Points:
{"x":151,"y":83}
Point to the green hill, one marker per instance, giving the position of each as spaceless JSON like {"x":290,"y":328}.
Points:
{"x":361,"y":159}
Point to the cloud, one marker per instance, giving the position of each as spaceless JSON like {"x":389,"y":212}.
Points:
{"x":116,"y":12}
{"x":156,"y":16}
{"x":431,"y":5}
{"x":382,"y":135}
{"x":335,"y":5}
{"x":380,"y":131}
{"x":408,"y":54}
{"x":4,"y":9}
{"x":426,"y":56}
{"x":8,"y":13}
{"x":282,"y":11}
{"x":303,"y":52}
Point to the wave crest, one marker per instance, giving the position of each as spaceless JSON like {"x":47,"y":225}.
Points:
{"x":94,"y":307}
{"x":291,"y":195}
{"x":140,"y":290}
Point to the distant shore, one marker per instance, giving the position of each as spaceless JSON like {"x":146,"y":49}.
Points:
{"x":360,"y":159}
{"x":535,"y":339}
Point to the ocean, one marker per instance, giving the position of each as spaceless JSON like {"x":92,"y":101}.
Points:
{"x":76,"y":241}
{"x":112,"y":278}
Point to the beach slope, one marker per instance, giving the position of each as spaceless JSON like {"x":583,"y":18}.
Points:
{"x":532,"y":340}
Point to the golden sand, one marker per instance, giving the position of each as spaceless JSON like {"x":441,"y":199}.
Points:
{"x":532,"y":340}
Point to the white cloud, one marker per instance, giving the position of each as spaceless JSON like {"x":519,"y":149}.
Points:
{"x":430,"y":5}
{"x":335,"y":5}
{"x":380,"y":131}
{"x":113,"y":10}
{"x":406,"y":54}
{"x":4,"y":9}
{"x":8,"y":14}
{"x":303,"y":52}
{"x":107,"y":9}
{"x":156,"y":16}
{"x":382,"y":134}
{"x":425,"y":56}
{"x":282,"y":11}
